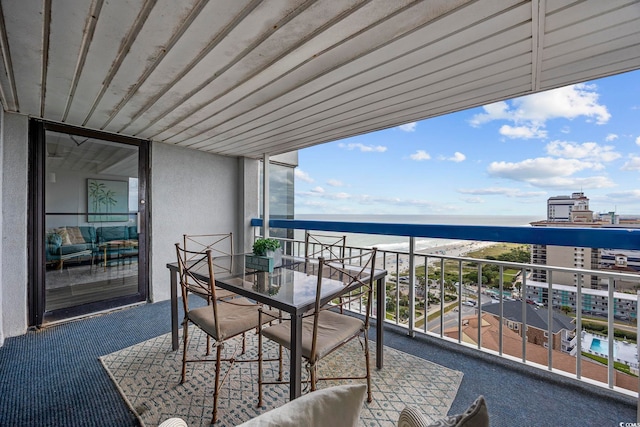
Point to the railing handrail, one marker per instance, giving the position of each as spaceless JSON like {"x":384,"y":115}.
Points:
{"x":618,"y":238}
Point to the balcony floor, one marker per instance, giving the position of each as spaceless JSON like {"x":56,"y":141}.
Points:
{"x":53,"y":377}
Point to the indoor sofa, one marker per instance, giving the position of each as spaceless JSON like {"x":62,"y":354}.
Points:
{"x":86,"y":242}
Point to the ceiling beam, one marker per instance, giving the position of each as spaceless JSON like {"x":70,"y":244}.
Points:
{"x":538,"y":12}
{"x":89,"y":31}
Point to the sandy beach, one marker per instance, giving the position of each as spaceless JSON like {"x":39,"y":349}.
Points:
{"x":452,"y":250}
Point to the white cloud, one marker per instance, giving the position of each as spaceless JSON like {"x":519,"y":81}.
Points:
{"x":546,"y":172}
{"x":317,"y":190}
{"x":611,"y":137}
{"x":364,"y":148}
{"x":420,"y":155}
{"x":522,"y":132}
{"x":502,"y":191}
{"x":633,"y":164}
{"x":408,"y":127}
{"x":588,"y":151}
{"x":303,"y":176}
{"x":334,"y":183}
{"x":457,"y":157}
{"x":625,"y":196}
{"x":638,"y":140}
{"x":474,"y":200}
{"x":529,"y":113}
{"x":572,"y":183}
{"x":537,"y":168}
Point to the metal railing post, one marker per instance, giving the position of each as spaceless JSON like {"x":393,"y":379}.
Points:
{"x":412,"y":287}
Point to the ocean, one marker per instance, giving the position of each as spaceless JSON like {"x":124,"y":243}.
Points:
{"x":401,"y":243}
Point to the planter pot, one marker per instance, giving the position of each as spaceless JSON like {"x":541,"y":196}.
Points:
{"x":277,"y":257}
{"x":258,"y":262}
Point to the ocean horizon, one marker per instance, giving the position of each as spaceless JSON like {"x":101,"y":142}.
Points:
{"x":401,"y":243}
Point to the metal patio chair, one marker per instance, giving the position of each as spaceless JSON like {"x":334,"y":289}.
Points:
{"x":324,"y":329}
{"x":221,"y":320}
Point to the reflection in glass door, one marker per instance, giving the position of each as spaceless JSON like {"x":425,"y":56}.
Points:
{"x":91,"y":224}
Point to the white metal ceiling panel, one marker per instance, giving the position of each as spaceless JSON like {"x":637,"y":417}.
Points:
{"x":24,"y":22}
{"x":404,"y":60}
{"x":248,"y":77}
{"x":201,"y":31}
{"x":68,"y":21}
{"x":238,"y":43}
{"x":150,"y":45}
{"x":412,"y":50}
{"x":287,"y":70}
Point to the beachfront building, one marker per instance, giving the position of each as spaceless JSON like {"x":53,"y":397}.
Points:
{"x":573,"y":211}
{"x":594,"y":301}
{"x":537,"y":324}
{"x":574,"y":208}
{"x":609,"y":259}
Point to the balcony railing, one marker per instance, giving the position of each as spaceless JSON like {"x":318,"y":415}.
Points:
{"x":431,"y":294}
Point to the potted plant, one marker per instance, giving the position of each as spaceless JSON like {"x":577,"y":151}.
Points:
{"x":267,"y":254}
{"x":262,"y":246}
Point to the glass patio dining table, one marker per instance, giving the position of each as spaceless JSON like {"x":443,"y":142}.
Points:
{"x":291,"y":288}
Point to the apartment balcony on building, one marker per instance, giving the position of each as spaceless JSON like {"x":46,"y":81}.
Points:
{"x":127,"y":125}
{"x":486,"y":341}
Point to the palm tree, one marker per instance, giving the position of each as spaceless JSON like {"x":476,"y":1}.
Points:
{"x":96,"y":193}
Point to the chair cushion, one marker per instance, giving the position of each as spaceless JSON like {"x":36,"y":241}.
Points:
{"x":333,"y":329}
{"x":333,"y":406}
{"x":475,"y":416}
{"x":236,"y":316}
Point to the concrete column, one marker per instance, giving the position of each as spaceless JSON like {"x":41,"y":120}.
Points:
{"x":248,"y":201}
{"x":14,"y":146}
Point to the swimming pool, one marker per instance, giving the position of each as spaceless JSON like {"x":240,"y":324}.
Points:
{"x":601,"y":346}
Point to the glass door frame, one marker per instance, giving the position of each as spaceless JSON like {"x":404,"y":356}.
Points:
{"x":36,"y":223}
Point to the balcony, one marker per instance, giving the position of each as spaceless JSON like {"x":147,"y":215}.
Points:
{"x":53,"y":376}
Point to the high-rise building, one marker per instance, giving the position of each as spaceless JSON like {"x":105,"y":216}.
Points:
{"x":573,"y":211}
{"x":574,"y":208}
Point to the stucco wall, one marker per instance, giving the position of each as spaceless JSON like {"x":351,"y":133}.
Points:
{"x":14,"y":225}
{"x":193,"y":193}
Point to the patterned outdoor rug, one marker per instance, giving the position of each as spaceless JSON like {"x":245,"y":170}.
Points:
{"x":148,"y":377}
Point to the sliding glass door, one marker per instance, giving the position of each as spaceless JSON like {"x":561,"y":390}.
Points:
{"x":93,"y":234}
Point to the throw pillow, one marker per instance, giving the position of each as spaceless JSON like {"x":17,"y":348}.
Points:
{"x":333,"y":406}
{"x":475,"y":416}
{"x":64,"y":235}
{"x":75,"y":235}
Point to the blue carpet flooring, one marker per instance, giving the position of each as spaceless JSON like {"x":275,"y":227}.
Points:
{"x":53,"y":377}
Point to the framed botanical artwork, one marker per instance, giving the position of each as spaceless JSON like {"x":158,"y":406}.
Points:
{"x":107,"y":201}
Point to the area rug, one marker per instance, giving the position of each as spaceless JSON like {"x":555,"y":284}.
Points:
{"x":148,"y":377}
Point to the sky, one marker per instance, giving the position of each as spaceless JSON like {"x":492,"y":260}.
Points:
{"x":505,"y":158}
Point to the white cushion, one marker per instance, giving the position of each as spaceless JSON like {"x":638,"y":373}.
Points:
{"x":173,"y":422}
{"x":333,"y":406}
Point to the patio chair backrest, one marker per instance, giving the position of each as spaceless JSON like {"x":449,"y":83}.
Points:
{"x":357,"y":284}
{"x":193,"y":267}
{"x":323,"y":245}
